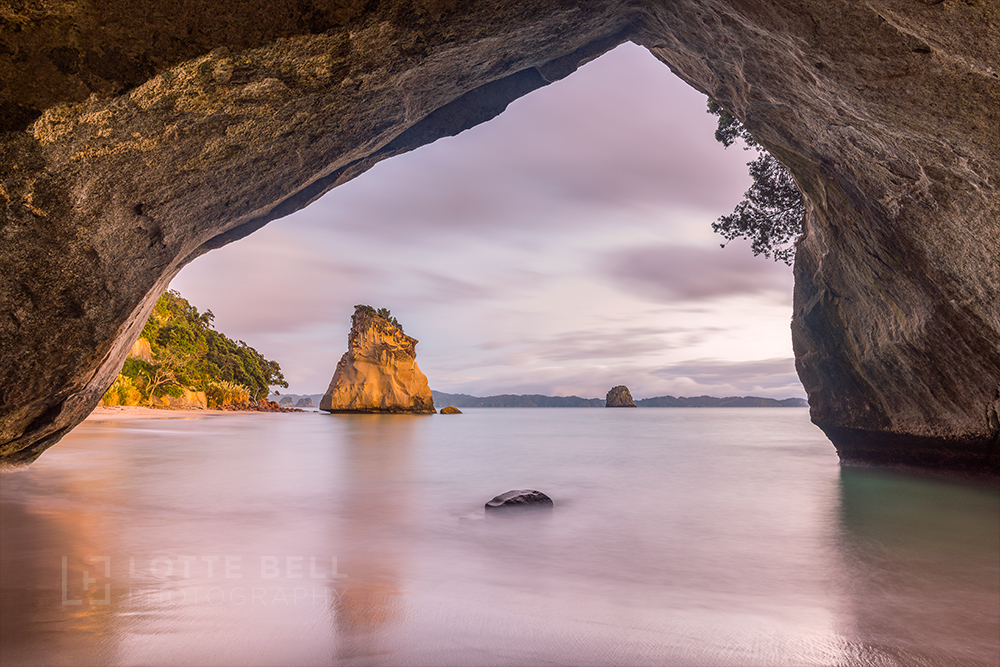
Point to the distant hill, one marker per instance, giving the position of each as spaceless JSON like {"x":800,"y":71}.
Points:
{"x":713,"y":402}
{"x":316,"y":398}
{"x":515,"y":401}
{"x":442,"y":399}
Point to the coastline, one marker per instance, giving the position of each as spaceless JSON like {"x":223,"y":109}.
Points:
{"x":123,"y":412}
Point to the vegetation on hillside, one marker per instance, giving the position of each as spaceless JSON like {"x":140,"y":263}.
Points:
{"x":188,"y":353}
{"x":771,"y":212}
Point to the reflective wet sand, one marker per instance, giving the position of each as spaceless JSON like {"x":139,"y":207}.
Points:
{"x":687,"y":537}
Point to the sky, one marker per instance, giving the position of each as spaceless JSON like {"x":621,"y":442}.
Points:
{"x":562,"y":248}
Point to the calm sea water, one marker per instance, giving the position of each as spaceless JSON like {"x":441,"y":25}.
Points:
{"x":679,"y":537}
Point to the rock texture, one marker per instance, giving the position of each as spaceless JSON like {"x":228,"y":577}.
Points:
{"x":305,"y":402}
{"x":450,"y":410}
{"x":619,"y":397}
{"x":139,"y":136}
{"x":519,"y":500}
{"x":379,"y":372}
{"x":141,"y":350}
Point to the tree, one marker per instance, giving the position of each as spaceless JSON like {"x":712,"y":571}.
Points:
{"x":771,"y":212}
{"x":162,"y":377}
{"x":381,"y":312}
{"x":189,"y":352}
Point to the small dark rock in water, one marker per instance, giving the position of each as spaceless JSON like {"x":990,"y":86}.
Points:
{"x":523,"y":499}
{"x":619,"y":397}
{"x":450,"y":410}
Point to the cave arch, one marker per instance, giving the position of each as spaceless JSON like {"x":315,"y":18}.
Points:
{"x":127,"y":156}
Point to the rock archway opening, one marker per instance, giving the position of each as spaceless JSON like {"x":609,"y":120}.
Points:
{"x":114,"y":178}
{"x":561,"y":248}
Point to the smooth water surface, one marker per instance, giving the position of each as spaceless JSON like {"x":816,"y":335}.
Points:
{"x":679,"y":537}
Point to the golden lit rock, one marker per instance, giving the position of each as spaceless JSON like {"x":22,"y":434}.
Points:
{"x":379,"y":372}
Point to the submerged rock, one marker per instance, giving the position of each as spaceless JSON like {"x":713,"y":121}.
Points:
{"x":519,"y":500}
{"x":451,"y":410}
{"x":379,"y":372}
{"x":619,"y":397}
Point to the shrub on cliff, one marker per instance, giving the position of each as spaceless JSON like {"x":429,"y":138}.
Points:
{"x":122,"y":392}
{"x":222,"y":393}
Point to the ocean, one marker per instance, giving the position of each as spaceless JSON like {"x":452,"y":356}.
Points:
{"x":679,"y":536}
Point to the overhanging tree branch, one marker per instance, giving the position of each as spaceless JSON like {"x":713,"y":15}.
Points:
{"x":770,"y":215}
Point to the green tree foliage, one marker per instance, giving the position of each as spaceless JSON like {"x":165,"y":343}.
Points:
{"x":189,"y":352}
{"x":381,"y":312}
{"x":771,"y":212}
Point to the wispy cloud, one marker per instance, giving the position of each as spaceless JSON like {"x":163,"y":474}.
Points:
{"x":612,"y":137}
{"x":670,"y":273}
{"x":747,"y":376}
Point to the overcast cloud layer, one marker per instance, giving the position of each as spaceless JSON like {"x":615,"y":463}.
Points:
{"x":562,"y":248}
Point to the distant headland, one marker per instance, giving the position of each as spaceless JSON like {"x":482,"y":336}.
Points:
{"x":541,"y":401}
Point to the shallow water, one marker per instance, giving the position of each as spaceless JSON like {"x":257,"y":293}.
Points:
{"x":679,"y":536}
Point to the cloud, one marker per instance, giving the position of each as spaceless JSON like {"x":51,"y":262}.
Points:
{"x":623,"y":133}
{"x":669,"y":273}
{"x":272,"y":283}
{"x":764,"y":374}
{"x":589,"y":345}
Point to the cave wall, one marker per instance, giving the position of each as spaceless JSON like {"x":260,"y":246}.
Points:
{"x":136,"y":137}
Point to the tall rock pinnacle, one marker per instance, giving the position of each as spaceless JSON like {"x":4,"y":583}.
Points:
{"x":379,"y":372}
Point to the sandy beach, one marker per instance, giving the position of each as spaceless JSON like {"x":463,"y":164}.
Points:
{"x":129,"y":412}
{"x":123,"y":412}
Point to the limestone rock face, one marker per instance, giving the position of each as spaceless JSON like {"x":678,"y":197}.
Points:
{"x":136,"y":138}
{"x":379,"y":372}
{"x":141,"y":350}
{"x":619,"y":397}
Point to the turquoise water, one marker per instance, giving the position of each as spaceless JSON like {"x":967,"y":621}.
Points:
{"x":679,"y":537}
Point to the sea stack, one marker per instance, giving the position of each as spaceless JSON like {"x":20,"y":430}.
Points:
{"x":619,"y":397}
{"x":379,"y":372}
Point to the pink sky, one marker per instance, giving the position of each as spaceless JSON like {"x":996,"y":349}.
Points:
{"x":561,"y":248}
